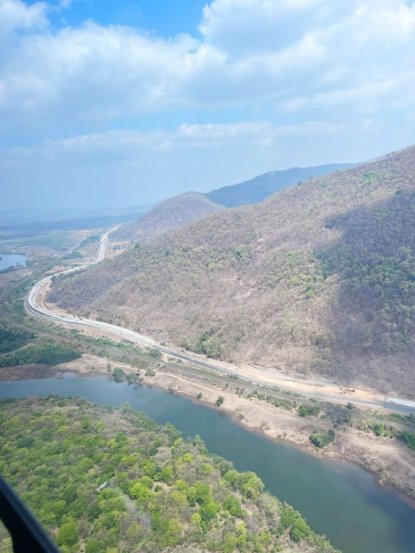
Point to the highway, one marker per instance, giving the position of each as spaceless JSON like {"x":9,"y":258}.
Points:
{"x":34,"y":306}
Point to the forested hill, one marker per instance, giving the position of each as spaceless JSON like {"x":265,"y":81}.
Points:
{"x":167,"y":216}
{"x":257,"y":189}
{"x":178,"y":211}
{"x":319,"y":277}
{"x":106,"y":481}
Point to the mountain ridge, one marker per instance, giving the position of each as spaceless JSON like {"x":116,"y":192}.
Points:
{"x":178,"y":211}
{"x":253,"y":284}
{"x":262,"y":186}
{"x":168,"y":215}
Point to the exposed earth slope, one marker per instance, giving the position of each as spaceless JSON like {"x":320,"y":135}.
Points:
{"x":168,"y":215}
{"x":319,"y":277}
{"x":257,"y":189}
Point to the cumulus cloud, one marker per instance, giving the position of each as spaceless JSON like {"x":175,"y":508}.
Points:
{"x":304,"y":82}
{"x":91,"y":73}
{"x":258,"y":54}
{"x":242,"y":26}
{"x":15,"y":15}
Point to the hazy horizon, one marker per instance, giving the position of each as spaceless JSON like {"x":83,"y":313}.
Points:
{"x":63,"y":210}
{"x":125,"y":104}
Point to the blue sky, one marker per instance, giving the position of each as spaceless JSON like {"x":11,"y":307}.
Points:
{"x":160,"y":17}
{"x":110,"y":103}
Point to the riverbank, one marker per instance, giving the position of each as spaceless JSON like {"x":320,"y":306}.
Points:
{"x":392,"y":463}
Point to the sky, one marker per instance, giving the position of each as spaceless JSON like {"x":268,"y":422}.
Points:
{"x":110,"y":103}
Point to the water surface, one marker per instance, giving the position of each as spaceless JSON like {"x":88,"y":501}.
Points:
{"x":338,"y":499}
{"x":11,"y":260}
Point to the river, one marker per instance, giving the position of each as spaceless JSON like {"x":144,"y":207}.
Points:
{"x":11,"y":260}
{"x":337,"y":498}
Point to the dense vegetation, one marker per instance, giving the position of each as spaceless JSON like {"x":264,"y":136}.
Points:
{"x":105,"y":480}
{"x":20,"y":343}
{"x":30,"y":343}
{"x":375,"y":261}
{"x":11,"y":339}
{"x":48,"y":353}
{"x":317,"y":278}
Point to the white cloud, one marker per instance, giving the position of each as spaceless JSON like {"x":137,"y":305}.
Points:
{"x":91,"y":72}
{"x":16,"y":16}
{"x":125,"y":143}
{"x":304,"y":82}
{"x":259,"y":55}
{"x":241,"y":26}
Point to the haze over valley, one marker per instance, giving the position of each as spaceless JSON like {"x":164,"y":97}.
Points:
{"x":207,"y":218}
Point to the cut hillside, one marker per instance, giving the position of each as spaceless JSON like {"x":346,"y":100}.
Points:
{"x":167,"y":216}
{"x":257,"y":189}
{"x":318,"y":278}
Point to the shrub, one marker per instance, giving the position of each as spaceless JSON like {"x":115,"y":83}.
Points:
{"x":321,"y":440}
{"x":209,"y":510}
{"x":291,"y":519}
{"x":233,"y":506}
{"x":155,"y":354}
{"x":408,"y":438}
{"x":219,"y":401}
{"x":308,"y":410}
{"x":118,"y":374}
{"x":92,"y":546}
{"x":209,"y":344}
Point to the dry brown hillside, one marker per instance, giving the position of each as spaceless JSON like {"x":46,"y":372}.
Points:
{"x":320,"y":277}
{"x":167,"y":216}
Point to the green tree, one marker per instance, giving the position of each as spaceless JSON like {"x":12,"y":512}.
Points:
{"x":232,"y":505}
{"x":68,"y":534}
{"x":209,"y":510}
{"x":251,"y":485}
{"x":167,"y":474}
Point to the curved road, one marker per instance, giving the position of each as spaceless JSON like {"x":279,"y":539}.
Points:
{"x":35,"y":307}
